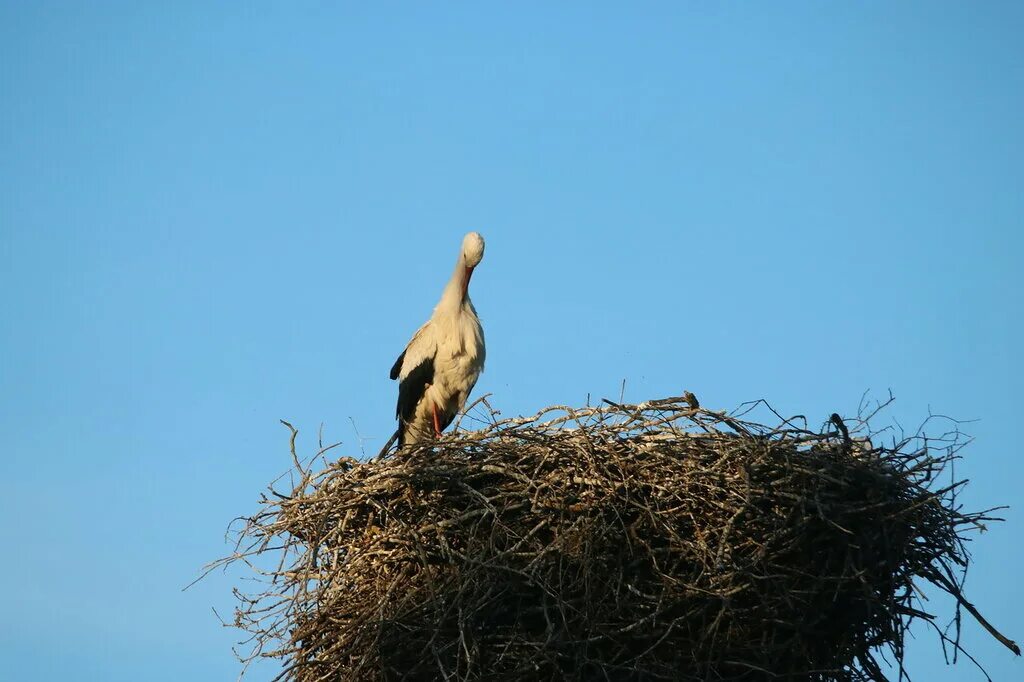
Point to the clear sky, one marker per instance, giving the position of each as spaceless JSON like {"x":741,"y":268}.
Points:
{"x":213,"y":216}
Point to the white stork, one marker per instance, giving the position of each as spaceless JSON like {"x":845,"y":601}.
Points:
{"x":444,"y":358}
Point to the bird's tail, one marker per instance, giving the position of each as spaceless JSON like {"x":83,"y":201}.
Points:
{"x":387,"y":446}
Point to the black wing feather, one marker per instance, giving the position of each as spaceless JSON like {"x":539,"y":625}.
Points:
{"x":396,"y":369}
{"x":410,"y":392}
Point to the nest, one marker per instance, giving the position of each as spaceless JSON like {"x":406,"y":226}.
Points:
{"x":659,"y":541}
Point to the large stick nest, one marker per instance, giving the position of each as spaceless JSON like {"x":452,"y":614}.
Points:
{"x":659,"y":541}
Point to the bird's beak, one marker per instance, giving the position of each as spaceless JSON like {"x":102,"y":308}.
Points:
{"x":465,"y":282}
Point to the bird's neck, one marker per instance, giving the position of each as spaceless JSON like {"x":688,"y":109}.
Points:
{"x":456,"y":292}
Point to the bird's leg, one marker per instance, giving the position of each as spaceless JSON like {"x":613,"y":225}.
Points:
{"x":437,"y":422}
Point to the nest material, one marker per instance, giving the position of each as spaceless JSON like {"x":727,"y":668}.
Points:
{"x":658,"y":541}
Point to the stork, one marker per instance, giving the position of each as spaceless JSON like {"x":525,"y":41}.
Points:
{"x":444,"y":358}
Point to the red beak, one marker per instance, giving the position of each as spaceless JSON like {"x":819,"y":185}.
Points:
{"x":465,"y":282}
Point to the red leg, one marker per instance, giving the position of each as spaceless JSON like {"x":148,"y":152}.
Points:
{"x":437,"y":422}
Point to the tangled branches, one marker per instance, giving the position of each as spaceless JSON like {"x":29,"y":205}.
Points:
{"x":659,"y":541}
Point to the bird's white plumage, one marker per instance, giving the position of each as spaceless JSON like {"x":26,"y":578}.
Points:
{"x":451,"y":344}
{"x":422,"y":346}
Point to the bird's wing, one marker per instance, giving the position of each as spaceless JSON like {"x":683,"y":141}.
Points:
{"x":396,"y":368}
{"x":412,"y":388}
{"x":421,"y":346}
{"x":415,"y":370}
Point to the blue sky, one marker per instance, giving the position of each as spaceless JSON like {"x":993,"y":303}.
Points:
{"x":213,"y":217}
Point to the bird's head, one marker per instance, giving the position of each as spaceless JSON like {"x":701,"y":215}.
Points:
{"x":472,"y":249}
{"x":472,"y":254}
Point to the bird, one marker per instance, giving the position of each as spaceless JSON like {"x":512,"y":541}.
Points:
{"x":443,"y":360}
